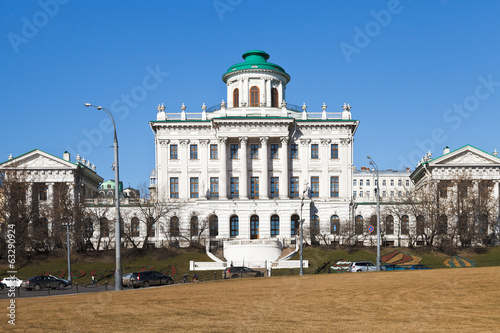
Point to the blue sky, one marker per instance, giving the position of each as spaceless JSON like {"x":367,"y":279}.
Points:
{"x":419,"y":75}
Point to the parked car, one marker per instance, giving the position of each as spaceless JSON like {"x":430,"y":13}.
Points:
{"x":149,"y":278}
{"x":126,"y":279}
{"x":418,"y":267}
{"x":11,"y":282}
{"x":393,"y":267}
{"x":362,"y":266}
{"x":45,"y":281}
{"x":241,"y":271}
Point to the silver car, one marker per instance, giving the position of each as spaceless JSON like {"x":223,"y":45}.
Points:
{"x":362,"y":266}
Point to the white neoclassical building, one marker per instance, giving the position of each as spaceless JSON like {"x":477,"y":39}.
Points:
{"x":254,"y":166}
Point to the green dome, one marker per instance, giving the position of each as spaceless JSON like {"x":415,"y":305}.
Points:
{"x":255,"y":59}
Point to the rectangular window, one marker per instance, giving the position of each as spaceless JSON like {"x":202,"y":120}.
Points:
{"x":400,"y":194}
{"x":360,"y":194}
{"x":376,"y":182}
{"x":42,"y":194}
{"x":367,"y":194}
{"x":392,"y":194}
{"x":174,"y":187}
{"x":314,"y":187}
{"x":334,"y":153}
{"x":361,"y":182}
{"x":173,"y":152}
{"x":367,"y":182}
{"x":354,"y":182}
{"x":294,"y":187}
{"x":254,"y":151}
{"x":214,"y":187}
{"x":275,"y":226}
{"x":193,"y":187}
{"x":407,"y":183}
{"x":234,"y":151}
{"x":392,"y":182}
{"x":354,"y":194}
{"x":254,"y":187}
{"x":275,"y":193}
{"x":314,"y":151}
{"x":334,"y":187}
{"x":384,"y":182}
{"x":384,"y":193}
{"x":214,"y":152}
{"x":399,"y":182}
{"x":235,"y":187}
{"x":294,"y":151}
{"x":193,"y":152}
{"x":274,"y":151}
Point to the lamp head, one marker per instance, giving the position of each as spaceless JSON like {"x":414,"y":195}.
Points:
{"x":368,"y":157}
{"x":87,"y":104}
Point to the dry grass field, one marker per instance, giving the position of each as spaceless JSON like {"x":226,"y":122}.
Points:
{"x":439,"y":300}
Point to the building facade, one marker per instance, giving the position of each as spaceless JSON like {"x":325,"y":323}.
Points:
{"x":254,"y":166}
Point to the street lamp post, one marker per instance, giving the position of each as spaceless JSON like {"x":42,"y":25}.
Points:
{"x":372,"y":162}
{"x":118,"y":268}
{"x":302,"y":233}
{"x":69,"y":251}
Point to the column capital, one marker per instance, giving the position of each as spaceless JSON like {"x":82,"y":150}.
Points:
{"x":184,"y":143}
{"x":244,"y":140}
{"x":305,"y":142}
{"x":325,"y":142}
{"x":163,"y":142}
{"x":204,"y":142}
{"x":284,"y":140}
{"x":264,"y":140}
{"x":222,"y":140}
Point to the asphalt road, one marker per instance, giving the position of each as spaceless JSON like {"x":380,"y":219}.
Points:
{"x":21,"y":293}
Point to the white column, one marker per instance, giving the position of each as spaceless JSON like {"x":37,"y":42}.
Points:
{"x":268,"y":93}
{"x":205,"y":178}
{"x":281,"y":93}
{"x":324,"y":183}
{"x":50,"y":193}
{"x":264,"y":182}
{"x":229,"y":96}
{"x":263,"y":94}
{"x":162,"y":181}
{"x":184,"y":183}
{"x":304,"y":154}
{"x":223,"y":168}
{"x":244,"y":168}
{"x":246,"y":92}
{"x":284,"y":181}
{"x":240,"y":86}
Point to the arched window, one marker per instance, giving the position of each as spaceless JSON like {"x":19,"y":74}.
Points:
{"x":254,"y":227}
{"x":88,"y":227}
{"x":373,"y":222}
{"x":314,"y":225}
{"x":213,"y":223}
{"x":462,"y":224}
{"x":235,"y":225}
{"x":151,"y":227}
{"x":274,"y":97}
{"x":254,"y":96}
{"x":358,"y":225}
{"x":275,"y":225}
{"x":405,"y":225}
{"x":389,"y":225}
{"x":483,"y":224}
{"x":335,"y":225}
{"x":420,"y":225}
{"x":174,"y":226}
{"x":236,"y":98}
{"x":442,"y":227}
{"x":295,"y":225}
{"x":193,"y":226}
{"x":134,"y":227}
{"x":104,"y":227}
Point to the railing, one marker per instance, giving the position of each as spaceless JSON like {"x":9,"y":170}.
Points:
{"x":289,"y":264}
{"x":329,"y":115}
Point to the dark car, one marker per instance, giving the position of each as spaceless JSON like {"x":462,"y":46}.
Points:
{"x":393,"y":267}
{"x":236,"y":272}
{"x":126,"y":279}
{"x":418,"y":267}
{"x":45,"y":281}
{"x":150,"y":278}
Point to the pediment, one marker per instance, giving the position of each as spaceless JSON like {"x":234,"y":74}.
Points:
{"x":467,"y":156}
{"x":38,"y":160}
